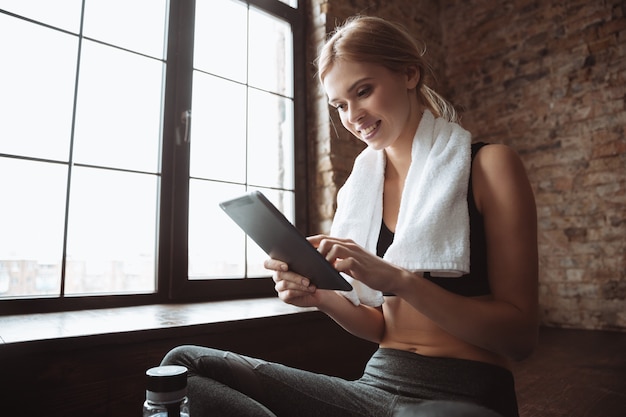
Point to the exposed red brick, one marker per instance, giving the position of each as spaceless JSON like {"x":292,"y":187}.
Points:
{"x":549,"y":80}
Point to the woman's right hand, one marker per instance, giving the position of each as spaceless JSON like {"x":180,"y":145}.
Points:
{"x":362,"y":321}
{"x":291,"y":287}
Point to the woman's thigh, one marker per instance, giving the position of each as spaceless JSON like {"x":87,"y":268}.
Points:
{"x":238,"y":384}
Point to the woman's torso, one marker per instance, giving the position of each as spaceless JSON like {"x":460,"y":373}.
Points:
{"x":405,"y":327}
{"x":409,"y":330}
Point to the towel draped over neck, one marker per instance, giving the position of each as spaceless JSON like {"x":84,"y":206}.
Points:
{"x":432,"y":231}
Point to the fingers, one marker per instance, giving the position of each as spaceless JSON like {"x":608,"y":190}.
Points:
{"x":335,"y":250}
{"x":275,"y":265}
{"x":295,"y":289}
{"x":290,"y":281}
{"x":344,"y":254}
{"x":291,"y":287}
{"x":317,"y":240}
{"x":286,"y":280}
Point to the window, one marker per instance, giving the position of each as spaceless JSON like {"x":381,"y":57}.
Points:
{"x":124,"y":131}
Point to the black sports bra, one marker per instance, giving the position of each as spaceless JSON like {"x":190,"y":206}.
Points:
{"x":477,"y":281}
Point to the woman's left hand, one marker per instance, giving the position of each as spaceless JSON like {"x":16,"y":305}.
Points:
{"x":348,"y":257}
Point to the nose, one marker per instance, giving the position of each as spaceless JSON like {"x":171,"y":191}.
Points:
{"x":355,"y":113}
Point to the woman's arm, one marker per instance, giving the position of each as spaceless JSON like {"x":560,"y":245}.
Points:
{"x":508,"y":322}
{"x":362,"y":321}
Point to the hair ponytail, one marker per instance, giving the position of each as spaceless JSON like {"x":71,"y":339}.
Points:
{"x":438,"y":105}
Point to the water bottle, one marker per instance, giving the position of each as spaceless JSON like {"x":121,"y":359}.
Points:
{"x":166,"y":392}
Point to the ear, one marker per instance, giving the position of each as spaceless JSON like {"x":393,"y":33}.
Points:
{"x":413,"y":75}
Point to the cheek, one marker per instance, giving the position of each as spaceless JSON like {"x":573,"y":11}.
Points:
{"x":396,"y":98}
{"x":393,"y":101}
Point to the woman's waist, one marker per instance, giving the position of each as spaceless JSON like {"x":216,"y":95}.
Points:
{"x":408,"y":330}
{"x":450,"y":350}
{"x":432,"y":341}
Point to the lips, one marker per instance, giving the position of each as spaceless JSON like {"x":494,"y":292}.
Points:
{"x":366,"y":131}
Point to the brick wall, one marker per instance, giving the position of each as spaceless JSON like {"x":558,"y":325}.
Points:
{"x":549,"y":80}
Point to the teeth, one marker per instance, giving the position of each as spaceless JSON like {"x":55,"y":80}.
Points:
{"x":369,"y":130}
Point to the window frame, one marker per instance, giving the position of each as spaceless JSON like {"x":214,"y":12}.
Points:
{"x":173,"y":204}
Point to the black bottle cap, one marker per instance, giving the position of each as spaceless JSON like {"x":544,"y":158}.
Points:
{"x":167,"y":378}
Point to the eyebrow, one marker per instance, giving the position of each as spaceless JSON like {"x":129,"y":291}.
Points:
{"x":352,"y":87}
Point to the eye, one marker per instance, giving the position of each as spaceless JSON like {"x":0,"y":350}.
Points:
{"x":364,"y":92}
{"x":340,"y":107}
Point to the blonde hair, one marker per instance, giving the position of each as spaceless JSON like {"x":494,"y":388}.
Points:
{"x":378,"y":41}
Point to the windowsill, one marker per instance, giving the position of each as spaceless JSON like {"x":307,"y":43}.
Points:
{"x":105,"y":325}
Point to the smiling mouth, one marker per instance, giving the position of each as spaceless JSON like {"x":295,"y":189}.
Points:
{"x":369,"y":129}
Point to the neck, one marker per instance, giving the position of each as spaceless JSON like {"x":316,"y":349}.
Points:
{"x":399,"y":153}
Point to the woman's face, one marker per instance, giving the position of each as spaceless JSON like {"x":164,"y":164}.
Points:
{"x":375,"y":104}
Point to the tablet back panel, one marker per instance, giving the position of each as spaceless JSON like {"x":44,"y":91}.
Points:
{"x":280,"y":239}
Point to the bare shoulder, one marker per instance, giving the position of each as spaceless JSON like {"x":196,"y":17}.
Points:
{"x":499,"y":176}
{"x":497,"y":158}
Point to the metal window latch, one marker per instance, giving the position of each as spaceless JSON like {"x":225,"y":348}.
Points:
{"x":185,"y":124}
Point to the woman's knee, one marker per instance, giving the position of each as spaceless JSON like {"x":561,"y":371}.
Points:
{"x":181,"y":355}
{"x":207,"y":362}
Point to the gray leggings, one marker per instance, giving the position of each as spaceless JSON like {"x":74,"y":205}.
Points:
{"x":395,"y":383}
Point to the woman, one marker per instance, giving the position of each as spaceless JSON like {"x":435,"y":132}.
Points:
{"x":421,"y":206}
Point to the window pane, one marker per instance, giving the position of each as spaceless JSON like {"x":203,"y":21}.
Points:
{"x":241,"y":139}
{"x":270,"y":54}
{"x":270,"y":140}
{"x":37,"y":89}
{"x":117,"y":22}
{"x":218,"y":248}
{"x":220,"y":39}
{"x":119,"y":109}
{"x":31,"y":227}
{"x":64,"y":14}
{"x":218,"y":129}
{"x":241,"y":133}
{"x":216,"y":243}
{"x":111,"y":232}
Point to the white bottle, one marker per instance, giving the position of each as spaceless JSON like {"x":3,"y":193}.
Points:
{"x":166,"y":392}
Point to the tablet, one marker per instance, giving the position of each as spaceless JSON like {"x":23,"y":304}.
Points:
{"x":280,"y":239}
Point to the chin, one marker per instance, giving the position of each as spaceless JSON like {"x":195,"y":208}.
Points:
{"x":375,"y":143}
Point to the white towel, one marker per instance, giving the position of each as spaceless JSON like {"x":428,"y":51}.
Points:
{"x":432,"y":232}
